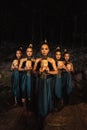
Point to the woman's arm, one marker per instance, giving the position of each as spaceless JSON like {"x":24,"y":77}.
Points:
{"x":55,"y":70}
{"x":14,"y":65}
{"x":35,"y":65}
{"x":20,"y":65}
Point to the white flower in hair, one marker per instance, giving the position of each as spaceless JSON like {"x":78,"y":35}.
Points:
{"x":30,"y":45}
{"x":45,"y":41}
{"x":65,"y":50}
{"x":20,"y":48}
{"x":58,"y":48}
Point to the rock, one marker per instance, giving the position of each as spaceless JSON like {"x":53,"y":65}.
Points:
{"x":78,"y":77}
{"x":85,"y":75}
{"x":79,"y":86}
{"x":0,"y":76}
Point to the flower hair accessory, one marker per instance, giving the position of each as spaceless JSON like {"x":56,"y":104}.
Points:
{"x":31,"y":45}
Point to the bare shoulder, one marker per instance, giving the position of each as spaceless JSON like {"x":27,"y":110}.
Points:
{"x":51,"y":60}
{"x":33,"y":59}
{"x":71,"y":64}
{"x":23,"y":59}
{"x":15,"y":60}
{"x":37,"y":60}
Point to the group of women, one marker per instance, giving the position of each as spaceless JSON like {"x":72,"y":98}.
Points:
{"x":44,"y":83}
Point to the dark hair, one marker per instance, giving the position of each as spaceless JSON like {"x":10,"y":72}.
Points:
{"x":30,"y":46}
{"x":66,"y":52}
{"x":45,"y":42}
{"x":20,"y":49}
{"x":58,"y":49}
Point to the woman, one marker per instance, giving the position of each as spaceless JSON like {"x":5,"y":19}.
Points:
{"x":26,"y":66}
{"x":58,"y":81}
{"x":67,"y":77}
{"x":15,"y":78}
{"x":45,"y":68}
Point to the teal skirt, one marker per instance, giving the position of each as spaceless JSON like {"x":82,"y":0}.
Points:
{"x":27,"y":85}
{"x":23,"y":84}
{"x":15,"y":83}
{"x":67,"y":82}
{"x":45,"y":95}
{"x":58,"y":87}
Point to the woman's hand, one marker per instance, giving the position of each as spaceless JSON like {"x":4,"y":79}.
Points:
{"x":27,"y":68}
{"x":47,"y":69}
{"x":15,"y":68}
{"x":41,"y":70}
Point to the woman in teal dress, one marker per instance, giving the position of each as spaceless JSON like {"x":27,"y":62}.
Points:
{"x":26,"y":67}
{"x":58,"y":80}
{"x":15,"y":77}
{"x":46,"y":68}
{"x":67,"y":78}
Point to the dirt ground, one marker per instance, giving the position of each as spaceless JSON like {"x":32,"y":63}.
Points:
{"x":72,"y":117}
